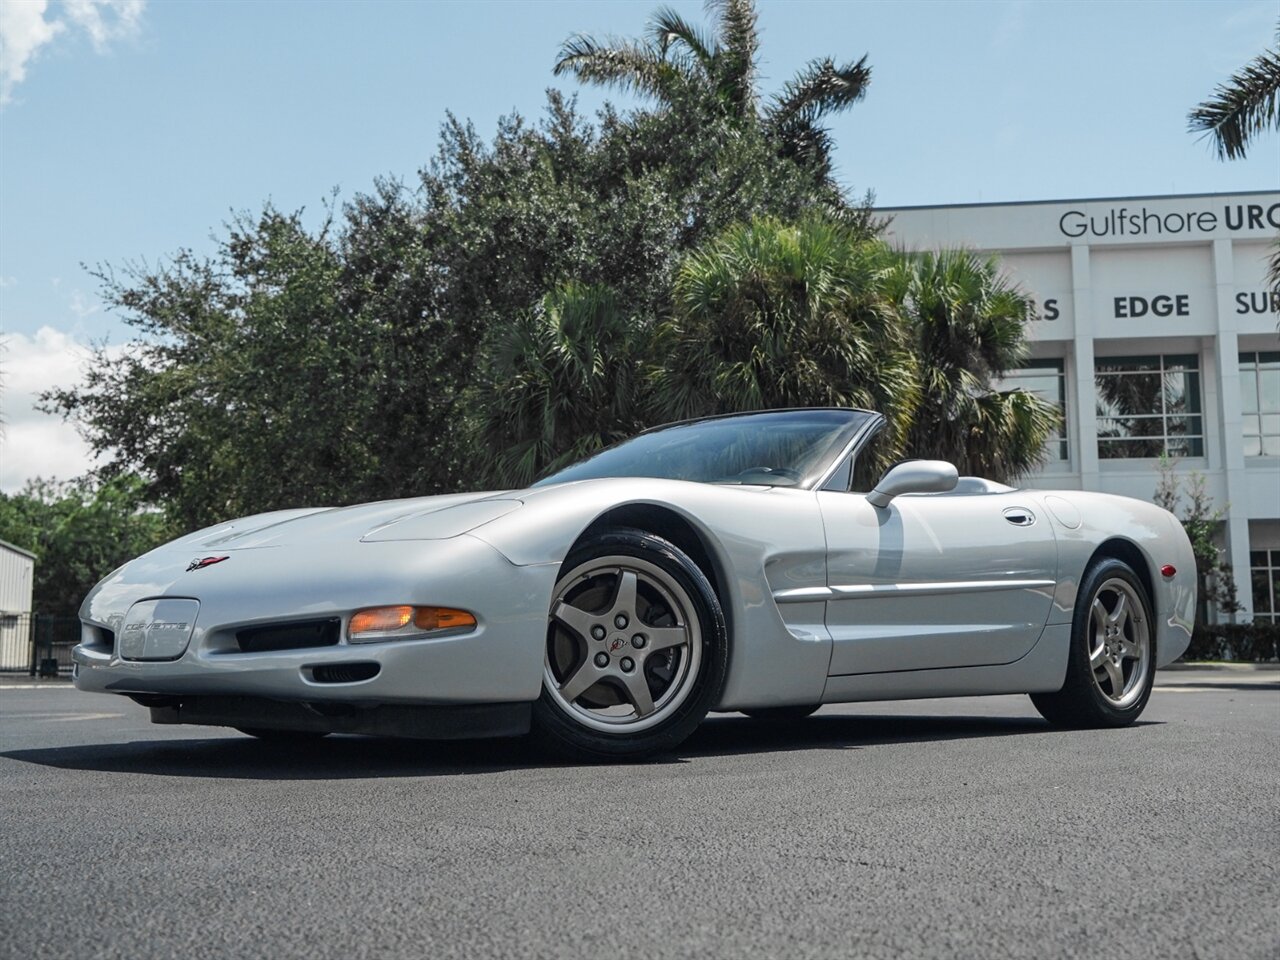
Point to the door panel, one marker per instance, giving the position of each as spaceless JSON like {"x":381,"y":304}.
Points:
{"x":942,"y":580}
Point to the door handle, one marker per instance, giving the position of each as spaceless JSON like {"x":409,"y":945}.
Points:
{"x":1019,"y":516}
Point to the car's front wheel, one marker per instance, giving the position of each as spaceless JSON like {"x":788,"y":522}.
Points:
{"x":1111,"y":662}
{"x":636,"y":649}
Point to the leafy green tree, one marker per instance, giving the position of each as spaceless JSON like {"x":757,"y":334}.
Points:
{"x":678,"y":60}
{"x":276,"y":374}
{"x":1202,"y":521}
{"x":616,"y":203}
{"x":775,"y":315}
{"x":350,"y":361}
{"x":967,"y":325}
{"x":568,"y":381}
{"x":78,"y":533}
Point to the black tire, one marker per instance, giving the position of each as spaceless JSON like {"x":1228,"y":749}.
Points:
{"x":1082,"y":703}
{"x":558,"y":728}
{"x":776,"y":714}
{"x":283,"y":736}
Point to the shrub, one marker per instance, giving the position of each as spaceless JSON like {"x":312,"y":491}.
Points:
{"x":1235,"y":641}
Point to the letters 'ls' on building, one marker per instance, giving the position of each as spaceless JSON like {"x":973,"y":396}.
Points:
{"x":1157,"y":336}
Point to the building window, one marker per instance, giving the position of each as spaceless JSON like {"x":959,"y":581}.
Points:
{"x":1047,"y":379}
{"x":1264,"y":567}
{"x":1260,"y":403}
{"x":1149,"y":407}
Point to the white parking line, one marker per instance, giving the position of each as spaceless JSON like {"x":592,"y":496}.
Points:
{"x":59,"y":717}
{"x":1209,"y":688}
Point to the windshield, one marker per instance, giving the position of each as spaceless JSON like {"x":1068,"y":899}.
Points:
{"x":785,"y":448}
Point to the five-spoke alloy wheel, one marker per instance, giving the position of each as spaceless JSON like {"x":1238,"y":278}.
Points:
{"x":1111,"y":662}
{"x":1119,"y":642}
{"x":636,"y":649}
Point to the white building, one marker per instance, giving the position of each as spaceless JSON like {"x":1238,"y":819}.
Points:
{"x":1158,"y":334}
{"x":17,"y":571}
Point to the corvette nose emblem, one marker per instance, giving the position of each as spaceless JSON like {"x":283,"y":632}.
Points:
{"x":201,"y":562}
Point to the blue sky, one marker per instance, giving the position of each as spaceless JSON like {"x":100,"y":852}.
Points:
{"x":134,"y":128}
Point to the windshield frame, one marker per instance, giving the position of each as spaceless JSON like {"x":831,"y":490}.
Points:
{"x":852,"y":439}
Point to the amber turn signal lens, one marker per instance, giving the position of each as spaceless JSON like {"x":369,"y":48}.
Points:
{"x":441,"y":618}
{"x":380,"y":620}
{"x":393,"y":623}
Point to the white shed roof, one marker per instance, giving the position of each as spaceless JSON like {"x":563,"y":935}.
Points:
{"x":6,"y":545}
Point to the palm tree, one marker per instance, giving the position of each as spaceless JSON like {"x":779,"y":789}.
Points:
{"x":1239,"y":110}
{"x":967,"y":323}
{"x":677,"y":59}
{"x":771,"y":315}
{"x":564,"y":382}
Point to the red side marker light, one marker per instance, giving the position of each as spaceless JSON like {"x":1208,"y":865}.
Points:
{"x":1168,"y":570}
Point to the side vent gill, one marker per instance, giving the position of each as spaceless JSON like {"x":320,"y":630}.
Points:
{"x":344,"y":672}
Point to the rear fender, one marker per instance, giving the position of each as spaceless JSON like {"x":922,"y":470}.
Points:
{"x":1103,"y":521}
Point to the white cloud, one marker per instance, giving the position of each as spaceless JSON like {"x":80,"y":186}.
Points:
{"x":35,"y":444}
{"x":25,"y":30}
{"x":82,"y":306}
{"x":105,"y":20}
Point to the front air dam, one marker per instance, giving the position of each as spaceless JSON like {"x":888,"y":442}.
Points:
{"x":426,"y":722}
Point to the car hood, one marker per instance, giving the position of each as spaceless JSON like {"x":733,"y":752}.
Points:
{"x":416,"y":518}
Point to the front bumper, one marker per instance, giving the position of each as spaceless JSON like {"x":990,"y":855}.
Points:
{"x":500,"y":661}
{"x":382,"y":720}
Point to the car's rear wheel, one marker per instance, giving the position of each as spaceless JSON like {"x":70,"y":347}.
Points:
{"x":283,"y":736}
{"x":636,"y":649}
{"x":796,"y":712}
{"x":1111,"y":662}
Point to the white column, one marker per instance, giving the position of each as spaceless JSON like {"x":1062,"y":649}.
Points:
{"x":1085,"y":434}
{"x":1230,"y":427}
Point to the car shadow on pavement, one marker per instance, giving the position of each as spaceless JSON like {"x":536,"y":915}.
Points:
{"x":740,"y":735}
{"x":736,"y":734}
{"x":347,"y":757}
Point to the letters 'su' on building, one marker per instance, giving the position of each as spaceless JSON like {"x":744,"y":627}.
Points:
{"x":1157,"y":335}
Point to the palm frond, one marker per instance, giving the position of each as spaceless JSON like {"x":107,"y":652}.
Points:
{"x":739,"y":48}
{"x":623,"y":64}
{"x":1273,"y":268}
{"x":667,"y":27}
{"x":1240,"y":109}
{"x":563,"y":380}
{"x":804,"y":141}
{"x":969,"y":324}
{"x":821,"y":88}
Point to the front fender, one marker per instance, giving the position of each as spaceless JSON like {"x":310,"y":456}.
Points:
{"x":763,"y":540}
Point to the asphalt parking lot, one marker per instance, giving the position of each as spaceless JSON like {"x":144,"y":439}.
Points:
{"x":954,"y":828}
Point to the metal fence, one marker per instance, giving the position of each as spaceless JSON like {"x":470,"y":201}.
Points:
{"x":36,"y":644}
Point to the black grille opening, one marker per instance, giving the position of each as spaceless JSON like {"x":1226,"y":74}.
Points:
{"x":344,"y":672}
{"x":297,"y":635}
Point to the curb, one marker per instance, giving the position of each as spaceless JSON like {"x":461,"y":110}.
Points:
{"x":1221,"y":665}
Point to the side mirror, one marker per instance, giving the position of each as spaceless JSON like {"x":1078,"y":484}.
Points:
{"x":914,"y":476}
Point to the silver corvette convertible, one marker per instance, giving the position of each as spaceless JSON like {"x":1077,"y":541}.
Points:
{"x":736,"y":563}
